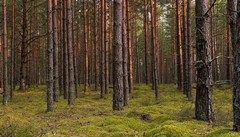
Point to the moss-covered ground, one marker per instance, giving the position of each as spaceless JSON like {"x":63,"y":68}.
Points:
{"x":91,"y":116}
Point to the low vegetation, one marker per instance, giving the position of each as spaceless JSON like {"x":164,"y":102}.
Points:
{"x":172,"y":115}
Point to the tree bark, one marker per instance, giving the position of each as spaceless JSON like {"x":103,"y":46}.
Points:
{"x":146,"y":40}
{"x":55,"y":53}
{"x":85,"y":47}
{"x":12,"y":50}
{"x":178,"y":42}
{"x":189,"y":52}
{"x":125,"y":55}
{"x":233,"y":7}
{"x":103,"y":79}
{"x":5,"y":54}
{"x":23,"y":48}
{"x":130,"y":55}
{"x":70,"y":53}
{"x":50,"y":100}
{"x":65,"y":52}
{"x":184,"y":47}
{"x":154,"y":44}
{"x":118,"y":101}
{"x":203,"y":104}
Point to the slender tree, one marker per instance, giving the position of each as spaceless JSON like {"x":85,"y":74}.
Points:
{"x":70,"y":53}
{"x":130,"y":47}
{"x":118,"y":101}
{"x":146,"y":39}
{"x":50,"y":100}
{"x":5,"y":54}
{"x":65,"y":52}
{"x":85,"y":47}
{"x":125,"y":55}
{"x":103,"y":78}
{"x":189,"y":53}
{"x":55,"y":52}
{"x":154,"y":47}
{"x":24,"y":53}
{"x":12,"y":50}
{"x":178,"y":44}
{"x":95,"y":46}
{"x":228,"y":45}
{"x":184,"y":47}
{"x":203,"y":104}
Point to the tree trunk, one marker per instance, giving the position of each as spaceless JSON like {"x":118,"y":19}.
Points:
{"x":125,"y":55}
{"x":65,"y":52}
{"x":50,"y":100}
{"x":146,"y":40}
{"x":203,"y":109}
{"x":103,"y":79}
{"x":228,"y":45}
{"x":178,"y":42}
{"x":95,"y":46}
{"x":55,"y":52}
{"x":189,"y":52}
{"x":106,"y":47}
{"x":86,"y":47}
{"x":70,"y":53}
{"x":74,"y":44}
{"x":234,"y":6}
{"x":154,"y":44}
{"x":5,"y":54}
{"x":184,"y":47}
{"x":118,"y":101}
{"x":23,"y":48}
{"x":130,"y":55}
{"x":12,"y":50}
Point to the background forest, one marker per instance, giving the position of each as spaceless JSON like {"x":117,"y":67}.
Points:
{"x":165,"y":67}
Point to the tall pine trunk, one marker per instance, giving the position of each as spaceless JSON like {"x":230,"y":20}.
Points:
{"x":203,"y":104}
{"x":5,"y":54}
{"x":125,"y":55}
{"x":55,"y":52}
{"x":178,"y":45}
{"x":70,"y":53}
{"x":118,"y":101}
{"x":12,"y":50}
{"x":189,"y":52}
{"x":233,"y":6}
{"x":50,"y":100}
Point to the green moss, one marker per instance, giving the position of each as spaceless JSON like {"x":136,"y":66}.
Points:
{"x":92,"y":116}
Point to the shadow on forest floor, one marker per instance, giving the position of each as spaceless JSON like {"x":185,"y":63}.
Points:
{"x":172,"y":115}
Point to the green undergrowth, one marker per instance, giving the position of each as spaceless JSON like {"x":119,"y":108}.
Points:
{"x":171,"y":116}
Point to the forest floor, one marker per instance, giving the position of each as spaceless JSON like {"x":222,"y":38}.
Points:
{"x":172,"y":115}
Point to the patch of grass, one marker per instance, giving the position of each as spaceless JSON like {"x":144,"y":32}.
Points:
{"x":92,"y":116}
